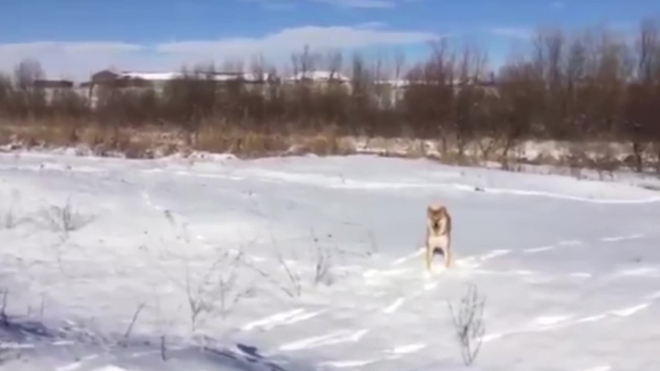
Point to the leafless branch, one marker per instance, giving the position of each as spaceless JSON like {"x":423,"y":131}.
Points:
{"x":135,"y":317}
{"x":468,"y":323}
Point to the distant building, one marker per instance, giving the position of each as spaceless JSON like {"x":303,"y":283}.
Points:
{"x":53,"y":84}
{"x":53,"y":87}
{"x":319,"y":77}
{"x":158,"y":80}
{"x":388,"y":92}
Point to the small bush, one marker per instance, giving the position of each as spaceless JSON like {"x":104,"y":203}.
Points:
{"x":323,"y":266}
{"x":468,"y":324}
{"x":64,"y":218}
{"x":8,"y":219}
{"x":218,"y":290}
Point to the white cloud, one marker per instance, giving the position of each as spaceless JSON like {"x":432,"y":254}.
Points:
{"x":78,"y":59}
{"x":372,"y":25}
{"x":294,"y":39}
{"x":512,"y":32}
{"x":75,"y":47}
{"x":106,"y":47}
{"x":68,"y":59}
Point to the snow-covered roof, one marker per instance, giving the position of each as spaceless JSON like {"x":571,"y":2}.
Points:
{"x":152,"y":76}
{"x":395,"y":83}
{"x":319,"y":76}
{"x":257,"y":77}
{"x":218,"y":76}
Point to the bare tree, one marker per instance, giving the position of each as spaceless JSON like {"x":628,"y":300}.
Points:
{"x":333,"y":100}
{"x":233,"y":66}
{"x":399,"y":65}
{"x":26,"y":73}
{"x":468,"y":96}
{"x":192,"y":97}
{"x":520,"y":97}
{"x":379,"y":78}
{"x":304,"y":63}
{"x":6,"y":93}
{"x":258,"y":68}
{"x":648,"y":47}
{"x":428,"y":100}
{"x":28,"y":99}
{"x":549,"y":46}
{"x":643,"y":94}
{"x":577,"y":87}
{"x":334,"y":62}
{"x":363,"y":98}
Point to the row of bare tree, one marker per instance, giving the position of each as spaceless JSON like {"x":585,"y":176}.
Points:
{"x":587,"y":85}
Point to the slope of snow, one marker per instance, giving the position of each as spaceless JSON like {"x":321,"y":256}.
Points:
{"x":570,"y":269}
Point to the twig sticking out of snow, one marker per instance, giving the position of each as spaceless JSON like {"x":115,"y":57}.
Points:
{"x":3,"y":311}
{"x":163,"y":349}
{"x":135,"y":317}
{"x":293,"y":276}
{"x":468,"y":323}
{"x":42,"y":306}
{"x":8,"y":220}
{"x":323,"y":266}
{"x":65,"y":218}
{"x":216,"y":288}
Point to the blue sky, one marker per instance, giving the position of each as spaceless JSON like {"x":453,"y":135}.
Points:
{"x":72,"y":38}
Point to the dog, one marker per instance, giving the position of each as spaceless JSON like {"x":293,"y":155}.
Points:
{"x":438,"y":234}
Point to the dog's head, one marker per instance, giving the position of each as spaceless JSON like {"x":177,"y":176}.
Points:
{"x":435,"y":213}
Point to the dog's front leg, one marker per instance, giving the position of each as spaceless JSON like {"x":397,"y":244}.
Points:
{"x":429,"y":257}
{"x":446,"y":252}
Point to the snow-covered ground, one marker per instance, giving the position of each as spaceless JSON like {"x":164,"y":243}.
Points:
{"x":316,"y":263}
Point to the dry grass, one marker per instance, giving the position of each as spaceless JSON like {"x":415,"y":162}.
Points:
{"x":34,"y":134}
{"x":240,"y":142}
{"x":150,"y":141}
{"x":325,"y":143}
{"x":101,"y":140}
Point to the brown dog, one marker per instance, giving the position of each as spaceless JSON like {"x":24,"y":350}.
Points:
{"x":438,"y":234}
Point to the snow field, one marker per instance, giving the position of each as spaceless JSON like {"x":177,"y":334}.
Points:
{"x":569,"y":268}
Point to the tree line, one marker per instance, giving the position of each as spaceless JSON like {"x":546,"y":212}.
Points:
{"x":591,"y":84}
